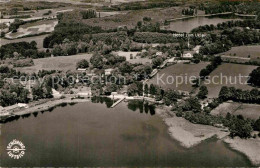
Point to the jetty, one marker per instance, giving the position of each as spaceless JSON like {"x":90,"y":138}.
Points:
{"x":117,"y":102}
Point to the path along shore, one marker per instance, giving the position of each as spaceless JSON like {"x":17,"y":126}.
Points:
{"x":43,"y":106}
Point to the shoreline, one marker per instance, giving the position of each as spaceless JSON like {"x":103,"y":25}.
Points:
{"x":249,"y":147}
{"x":190,"y":135}
{"x":187,"y":133}
{"x":43,"y":107}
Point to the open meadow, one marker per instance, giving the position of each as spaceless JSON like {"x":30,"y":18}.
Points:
{"x":37,"y":39}
{"x":177,"y":72}
{"x":251,"y":111}
{"x":38,"y":27}
{"x":252,"y":52}
{"x":61,"y":63}
{"x":131,"y":18}
{"x":228,"y":75}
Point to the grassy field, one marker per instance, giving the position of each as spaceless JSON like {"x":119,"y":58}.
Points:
{"x":251,"y":111}
{"x":42,"y":26}
{"x":232,"y":72}
{"x":178,"y":71}
{"x":131,"y":18}
{"x":37,"y":39}
{"x":62,"y":63}
{"x":245,"y":51}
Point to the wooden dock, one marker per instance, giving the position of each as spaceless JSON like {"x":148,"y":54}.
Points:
{"x":117,"y":102}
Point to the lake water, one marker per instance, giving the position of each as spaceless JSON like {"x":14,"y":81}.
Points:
{"x":90,"y":134}
{"x":186,"y":25}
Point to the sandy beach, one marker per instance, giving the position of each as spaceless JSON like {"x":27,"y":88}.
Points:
{"x":187,"y":133}
{"x":250,"y":147}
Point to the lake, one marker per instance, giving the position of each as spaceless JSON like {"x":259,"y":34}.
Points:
{"x":186,"y":25}
{"x":90,"y":134}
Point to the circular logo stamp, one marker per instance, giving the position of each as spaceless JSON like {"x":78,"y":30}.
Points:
{"x":16,"y":149}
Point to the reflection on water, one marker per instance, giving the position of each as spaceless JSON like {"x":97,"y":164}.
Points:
{"x":142,"y":106}
{"x":90,"y":134}
{"x":109,"y":102}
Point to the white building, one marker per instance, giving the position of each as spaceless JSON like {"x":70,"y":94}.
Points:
{"x":23,"y":105}
{"x":159,"y":53}
{"x":108,"y":71}
{"x":82,"y":69}
{"x":197,"y":49}
{"x":56,"y":94}
{"x":188,"y":54}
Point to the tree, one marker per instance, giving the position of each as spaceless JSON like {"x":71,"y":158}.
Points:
{"x":203,"y":92}
{"x":171,"y":96}
{"x":241,"y":128}
{"x":83,"y":64}
{"x":257,"y":125}
{"x":97,"y":61}
{"x":224,"y":93}
{"x":152,"y":89}
{"x":146,"y":89}
{"x":196,"y":82}
{"x":157,"y":62}
{"x":132,"y":89}
{"x":255,"y":77}
{"x":125,"y":67}
{"x":192,"y":104}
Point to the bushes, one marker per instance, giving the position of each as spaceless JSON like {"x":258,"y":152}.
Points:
{"x":13,"y":94}
{"x":83,"y":64}
{"x":192,"y":104}
{"x":214,"y":64}
{"x":238,"y":95}
{"x":23,"y":63}
{"x":203,"y":92}
{"x":255,"y":77}
{"x":22,"y":48}
{"x":69,"y":30}
{"x":240,"y":127}
{"x":237,"y":125}
{"x":107,"y":38}
{"x":87,"y":14}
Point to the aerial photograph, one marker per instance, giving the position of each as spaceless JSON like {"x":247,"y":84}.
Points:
{"x":129,"y":83}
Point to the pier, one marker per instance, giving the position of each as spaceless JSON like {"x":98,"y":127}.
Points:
{"x":117,"y":102}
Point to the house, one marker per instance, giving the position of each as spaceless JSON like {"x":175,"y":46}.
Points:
{"x":108,"y":71}
{"x":197,"y":49}
{"x":22,"y":105}
{"x":154,"y":72}
{"x":188,"y":54}
{"x":183,"y":61}
{"x":159,"y":53}
{"x":184,"y":93}
{"x":172,"y":60}
{"x":204,"y":104}
{"x":56,"y":94}
{"x":81,"y":69}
